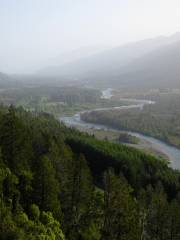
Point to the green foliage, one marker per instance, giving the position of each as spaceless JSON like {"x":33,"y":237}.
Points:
{"x":55,"y":183}
{"x":14,"y":140}
{"x":34,"y":212}
{"x":121,"y":211}
{"x":138,"y":168}
{"x":160,"y":120}
{"x":46,"y":186}
{"x":126,"y":138}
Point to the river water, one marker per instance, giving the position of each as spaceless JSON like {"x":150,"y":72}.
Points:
{"x":173,"y":153}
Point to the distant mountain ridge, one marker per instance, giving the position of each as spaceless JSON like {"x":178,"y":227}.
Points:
{"x":119,"y":55}
{"x":125,"y":64}
{"x":150,"y":63}
{"x":159,"y":68}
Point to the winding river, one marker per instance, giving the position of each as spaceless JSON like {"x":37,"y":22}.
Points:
{"x":173,"y":153}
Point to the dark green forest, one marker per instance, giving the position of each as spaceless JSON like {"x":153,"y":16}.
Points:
{"x":57,"y":183}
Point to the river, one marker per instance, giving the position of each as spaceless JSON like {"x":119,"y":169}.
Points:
{"x":173,"y":153}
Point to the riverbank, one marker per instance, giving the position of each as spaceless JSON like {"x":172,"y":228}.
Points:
{"x":171,"y":152}
{"x":113,"y":136}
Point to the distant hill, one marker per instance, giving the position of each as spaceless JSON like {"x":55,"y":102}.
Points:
{"x":68,"y":58}
{"x":9,"y":81}
{"x":4,"y":80}
{"x":107,"y":60}
{"x":3,"y":76}
{"x":152,"y":59}
{"x":160,"y":68}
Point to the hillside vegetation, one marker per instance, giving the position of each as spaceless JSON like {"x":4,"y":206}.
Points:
{"x":161,"y":120}
{"x":57,"y":183}
{"x":56,"y":100}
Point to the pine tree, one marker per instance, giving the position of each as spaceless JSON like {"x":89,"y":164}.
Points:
{"x":120,"y":210}
{"x":14,"y":141}
{"x":157,"y":218}
{"x":76,"y":196}
{"x":174,"y":220}
{"x":46,"y":187}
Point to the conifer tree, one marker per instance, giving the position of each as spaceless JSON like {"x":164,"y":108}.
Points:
{"x":46,"y":187}
{"x":120,"y":210}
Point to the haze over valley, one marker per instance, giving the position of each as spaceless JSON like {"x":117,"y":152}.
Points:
{"x":90,"y":120}
{"x":148,"y":63}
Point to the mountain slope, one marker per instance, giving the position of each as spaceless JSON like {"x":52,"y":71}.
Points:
{"x":124,"y":63}
{"x":159,"y":68}
{"x":112,"y":58}
{"x":5,"y":80}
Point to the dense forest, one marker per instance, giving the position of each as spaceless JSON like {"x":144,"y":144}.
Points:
{"x":160,"y":120}
{"x":57,"y":183}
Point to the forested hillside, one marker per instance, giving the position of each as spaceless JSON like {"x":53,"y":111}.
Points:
{"x":57,"y":183}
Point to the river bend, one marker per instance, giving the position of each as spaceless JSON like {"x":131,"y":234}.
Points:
{"x":173,"y":153}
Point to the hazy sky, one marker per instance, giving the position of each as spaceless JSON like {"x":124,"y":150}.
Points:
{"x":32,"y":31}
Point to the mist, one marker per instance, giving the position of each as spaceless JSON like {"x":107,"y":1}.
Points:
{"x":35,"y":34}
